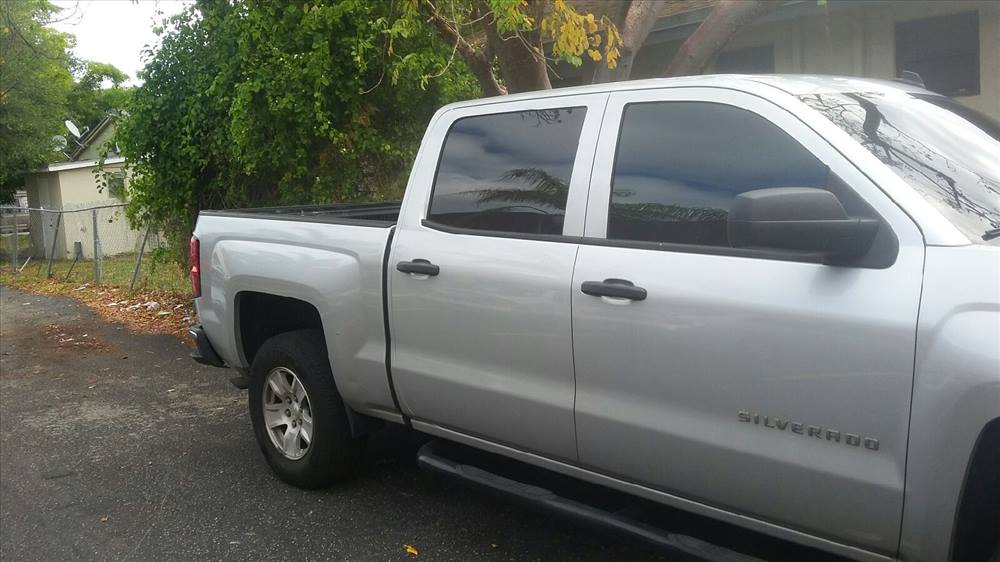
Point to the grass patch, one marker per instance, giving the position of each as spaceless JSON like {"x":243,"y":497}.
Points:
{"x":116,"y":271}
{"x":160,"y":304}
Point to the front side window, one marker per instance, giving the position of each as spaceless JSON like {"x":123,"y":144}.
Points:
{"x":680,"y":166}
{"x":507,"y":172}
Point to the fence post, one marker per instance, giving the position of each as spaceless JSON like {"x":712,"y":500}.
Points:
{"x":52,"y":251}
{"x":138,"y":259}
{"x":13,"y":248}
{"x":97,"y":250}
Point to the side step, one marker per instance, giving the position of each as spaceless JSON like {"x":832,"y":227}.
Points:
{"x":438,"y":456}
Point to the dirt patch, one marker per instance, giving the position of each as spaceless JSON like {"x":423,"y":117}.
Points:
{"x":146,"y":311}
{"x":74,"y":336}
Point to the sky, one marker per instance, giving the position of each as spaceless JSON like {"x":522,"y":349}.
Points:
{"x":114,"y":31}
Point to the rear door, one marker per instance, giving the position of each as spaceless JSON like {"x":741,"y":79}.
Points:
{"x":756,"y":381}
{"x":480,"y":272}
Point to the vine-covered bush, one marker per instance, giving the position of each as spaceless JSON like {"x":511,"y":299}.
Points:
{"x":260,"y":103}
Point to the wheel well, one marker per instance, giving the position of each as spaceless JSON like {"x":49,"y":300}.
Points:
{"x":261,"y":316}
{"x":979,"y":508}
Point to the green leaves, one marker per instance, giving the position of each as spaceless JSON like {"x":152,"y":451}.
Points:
{"x":34,"y":81}
{"x":261,"y":103}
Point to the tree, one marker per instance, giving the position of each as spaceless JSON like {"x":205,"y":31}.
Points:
{"x":88,"y":101}
{"x":38,"y":92}
{"x":261,"y":103}
{"x":503,"y":41}
{"x":34,"y":80}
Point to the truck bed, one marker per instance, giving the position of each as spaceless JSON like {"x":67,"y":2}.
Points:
{"x":361,"y":214}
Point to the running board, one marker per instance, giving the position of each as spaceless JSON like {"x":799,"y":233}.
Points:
{"x":434,"y":456}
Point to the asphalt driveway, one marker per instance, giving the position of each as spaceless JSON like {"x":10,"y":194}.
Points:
{"x":115,"y":446}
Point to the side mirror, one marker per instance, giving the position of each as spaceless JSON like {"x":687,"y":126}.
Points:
{"x":799,"y":218}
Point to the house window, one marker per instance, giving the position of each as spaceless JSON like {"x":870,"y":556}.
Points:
{"x":752,"y":60}
{"x":943,"y":50}
{"x":116,"y":185}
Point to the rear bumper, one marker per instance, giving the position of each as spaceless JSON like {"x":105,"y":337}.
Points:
{"x":205,"y":354}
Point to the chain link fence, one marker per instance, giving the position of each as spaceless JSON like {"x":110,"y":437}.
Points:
{"x":88,"y":243}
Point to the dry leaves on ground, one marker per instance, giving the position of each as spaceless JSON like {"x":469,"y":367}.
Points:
{"x":149,"y":312}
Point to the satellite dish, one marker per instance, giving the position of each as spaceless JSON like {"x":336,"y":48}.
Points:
{"x":72,"y":128}
{"x":60,"y":142}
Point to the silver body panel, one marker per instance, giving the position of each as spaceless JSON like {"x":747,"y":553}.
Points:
{"x":956,"y":390}
{"x":719,"y":334}
{"x":502,"y":351}
{"x":336,"y":268}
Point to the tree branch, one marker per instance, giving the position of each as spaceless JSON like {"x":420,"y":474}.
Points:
{"x":712,"y":35}
{"x":520,"y":56}
{"x":477,"y":61}
{"x":634,"y":23}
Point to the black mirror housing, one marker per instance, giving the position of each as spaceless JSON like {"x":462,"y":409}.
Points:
{"x":802,"y":219}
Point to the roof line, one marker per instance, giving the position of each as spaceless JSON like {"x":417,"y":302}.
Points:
{"x":91,"y":135}
{"x":75,"y":164}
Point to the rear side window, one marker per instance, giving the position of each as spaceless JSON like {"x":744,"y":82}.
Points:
{"x":507,"y":172}
{"x":680,"y":165}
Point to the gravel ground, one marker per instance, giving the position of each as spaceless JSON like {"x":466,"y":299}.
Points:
{"x":116,"y":446}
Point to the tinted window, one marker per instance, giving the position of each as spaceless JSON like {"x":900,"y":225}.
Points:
{"x":948,"y":153}
{"x":943,"y":50}
{"x":680,"y":165}
{"x":508,"y":172}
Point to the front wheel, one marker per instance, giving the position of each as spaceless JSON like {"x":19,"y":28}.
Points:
{"x":298,"y":416}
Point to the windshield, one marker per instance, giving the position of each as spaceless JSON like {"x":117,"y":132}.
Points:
{"x":949,"y":153}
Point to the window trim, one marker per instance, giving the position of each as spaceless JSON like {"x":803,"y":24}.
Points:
{"x":752,"y":253}
{"x":598,"y":208}
{"x":428,"y":222}
{"x":449,"y":229}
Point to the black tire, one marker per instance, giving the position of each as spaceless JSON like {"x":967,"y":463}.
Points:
{"x":332,"y":455}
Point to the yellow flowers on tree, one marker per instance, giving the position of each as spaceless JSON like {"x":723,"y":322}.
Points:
{"x":513,"y":45}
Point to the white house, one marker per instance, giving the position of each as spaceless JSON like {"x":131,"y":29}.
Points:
{"x":74,"y":185}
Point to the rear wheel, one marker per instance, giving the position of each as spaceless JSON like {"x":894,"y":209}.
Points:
{"x":298,"y":416}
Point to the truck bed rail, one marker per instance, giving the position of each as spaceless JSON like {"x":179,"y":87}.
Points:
{"x":362,"y":214}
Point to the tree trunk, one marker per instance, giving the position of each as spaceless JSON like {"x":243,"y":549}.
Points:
{"x":520,"y":56}
{"x":712,"y":35}
{"x":634,"y":21}
{"x":478,"y":63}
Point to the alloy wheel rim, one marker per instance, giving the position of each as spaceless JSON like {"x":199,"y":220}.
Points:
{"x":288,"y":416}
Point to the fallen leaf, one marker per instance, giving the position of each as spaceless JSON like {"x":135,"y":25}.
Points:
{"x":410,"y":550}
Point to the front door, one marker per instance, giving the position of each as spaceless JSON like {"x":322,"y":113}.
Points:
{"x":759,"y":382}
{"x":480,"y":282}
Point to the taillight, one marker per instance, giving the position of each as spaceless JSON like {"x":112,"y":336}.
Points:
{"x":195,"y":259}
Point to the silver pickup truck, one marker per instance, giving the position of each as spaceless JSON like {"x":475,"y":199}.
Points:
{"x":769,"y":300}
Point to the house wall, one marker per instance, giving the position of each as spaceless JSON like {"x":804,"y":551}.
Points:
{"x":96,"y":145}
{"x":79,"y":188}
{"x":861,"y":42}
{"x":69,"y":190}
{"x":858,"y":40}
{"x":43,"y":193}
